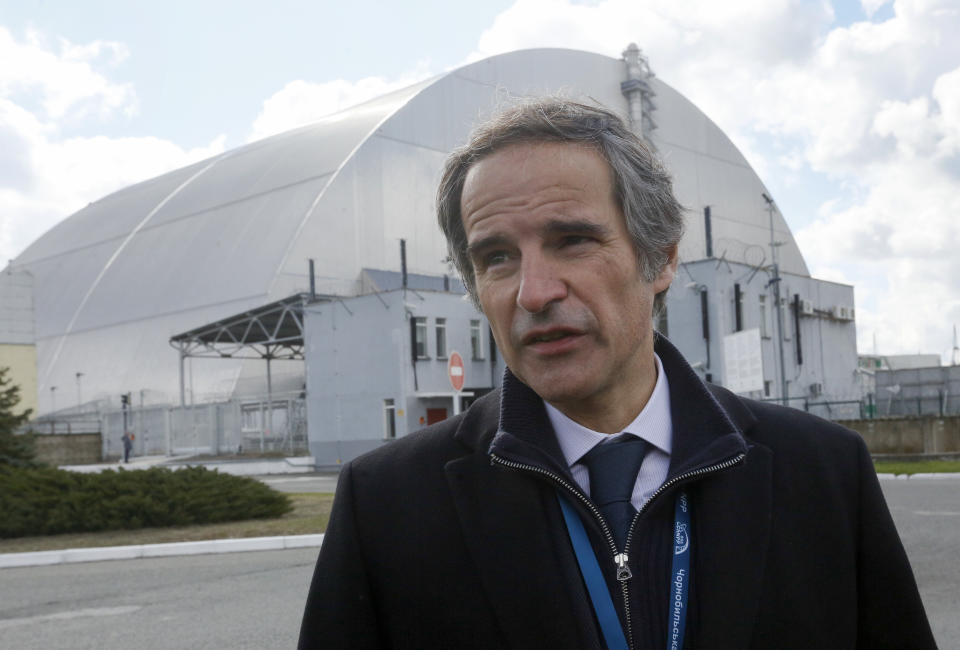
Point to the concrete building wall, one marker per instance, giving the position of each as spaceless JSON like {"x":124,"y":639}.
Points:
{"x":358,"y":354}
{"x":69,"y":449}
{"x":18,"y":350}
{"x":910,"y":435}
{"x":22,"y":362}
{"x":826,"y":369}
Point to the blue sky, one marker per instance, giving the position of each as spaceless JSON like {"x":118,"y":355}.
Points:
{"x":845,"y":109}
{"x":203,"y":68}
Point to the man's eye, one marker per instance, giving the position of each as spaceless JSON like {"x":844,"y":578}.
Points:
{"x":574,"y":240}
{"x":495,"y":257}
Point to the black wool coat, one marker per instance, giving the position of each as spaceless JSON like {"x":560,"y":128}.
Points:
{"x":434,"y":544}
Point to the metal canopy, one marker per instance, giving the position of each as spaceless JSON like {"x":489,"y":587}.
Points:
{"x":272,"y":331}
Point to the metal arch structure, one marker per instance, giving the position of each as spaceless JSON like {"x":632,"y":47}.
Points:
{"x":237,"y":228}
{"x":272,"y":331}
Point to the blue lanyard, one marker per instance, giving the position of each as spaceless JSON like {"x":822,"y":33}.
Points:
{"x":680,"y":584}
{"x":597,"y":587}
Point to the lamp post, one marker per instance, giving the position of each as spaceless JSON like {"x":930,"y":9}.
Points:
{"x":79,"y":391}
{"x":53,"y":399}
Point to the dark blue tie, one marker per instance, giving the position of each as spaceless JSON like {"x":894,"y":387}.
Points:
{"x":613,"y":470}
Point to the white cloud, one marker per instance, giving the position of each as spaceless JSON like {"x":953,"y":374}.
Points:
{"x":303,"y":102}
{"x":64,"y":83}
{"x":901,"y":238}
{"x":871,"y":109}
{"x":44,"y":177}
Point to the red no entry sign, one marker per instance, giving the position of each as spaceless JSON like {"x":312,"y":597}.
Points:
{"x":455,"y":371}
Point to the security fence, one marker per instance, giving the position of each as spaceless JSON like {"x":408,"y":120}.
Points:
{"x":223,"y":428}
{"x":918,"y":391}
{"x":850,"y":409}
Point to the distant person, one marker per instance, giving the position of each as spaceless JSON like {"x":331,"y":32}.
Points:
{"x":127,"y":446}
{"x":604,"y":496}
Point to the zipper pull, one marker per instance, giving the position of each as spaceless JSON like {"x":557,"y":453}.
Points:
{"x":623,"y":571}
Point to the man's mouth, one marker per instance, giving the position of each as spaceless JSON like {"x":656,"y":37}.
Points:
{"x":547,"y":337}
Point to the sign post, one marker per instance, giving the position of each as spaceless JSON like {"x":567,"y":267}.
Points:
{"x":456,"y":375}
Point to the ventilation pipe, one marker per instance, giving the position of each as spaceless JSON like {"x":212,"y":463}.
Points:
{"x":637,"y":90}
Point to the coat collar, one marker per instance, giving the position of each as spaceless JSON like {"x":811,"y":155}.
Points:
{"x":705,"y":431}
{"x":510,"y":522}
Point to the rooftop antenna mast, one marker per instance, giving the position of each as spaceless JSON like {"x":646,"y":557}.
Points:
{"x":775,"y":281}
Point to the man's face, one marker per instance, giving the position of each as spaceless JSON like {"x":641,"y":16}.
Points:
{"x":557,"y":274}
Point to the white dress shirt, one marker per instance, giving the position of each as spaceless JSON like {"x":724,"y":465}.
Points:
{"x":652,"y":424}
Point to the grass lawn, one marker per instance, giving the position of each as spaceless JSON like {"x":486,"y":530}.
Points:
{"x":310,"y":514}
{"x":917,"y":467}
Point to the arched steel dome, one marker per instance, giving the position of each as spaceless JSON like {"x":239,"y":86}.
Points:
{"x":115,"y":280}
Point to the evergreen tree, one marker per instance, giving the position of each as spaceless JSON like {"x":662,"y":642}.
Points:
{"x":14,"y":449}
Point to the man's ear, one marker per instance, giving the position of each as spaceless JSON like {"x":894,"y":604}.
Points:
{"x":667,"y":273}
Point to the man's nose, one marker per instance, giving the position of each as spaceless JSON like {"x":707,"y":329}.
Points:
{"x":539,"y":286}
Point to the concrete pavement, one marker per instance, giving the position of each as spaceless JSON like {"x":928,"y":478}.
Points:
{"x":136,"y":551}
{"x":240,"y":601}
{"x":238,"y":467}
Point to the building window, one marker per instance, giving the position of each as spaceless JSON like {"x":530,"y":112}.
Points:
{"x":250,"y":417}
{"x":389,"y":419}
{"x":420,"y":337}
{"x":763,"y":316}
{"x":441,"y":338}
{"x":476,"y":340}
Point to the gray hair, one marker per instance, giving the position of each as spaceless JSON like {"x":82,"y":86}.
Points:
{"x":642,"y":186}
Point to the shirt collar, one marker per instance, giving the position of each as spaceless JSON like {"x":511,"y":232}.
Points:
{"x":652,"y":424}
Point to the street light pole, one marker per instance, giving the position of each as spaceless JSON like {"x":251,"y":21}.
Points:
{"x":79,"y":391}
{"x":775,"y":281}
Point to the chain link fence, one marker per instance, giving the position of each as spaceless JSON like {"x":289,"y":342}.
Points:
{"x":235,"y":427}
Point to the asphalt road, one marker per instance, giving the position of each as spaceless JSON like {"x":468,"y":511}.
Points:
{"x":254,"y":600}
{"x":927,"y":514}
{"x":243,"y":601}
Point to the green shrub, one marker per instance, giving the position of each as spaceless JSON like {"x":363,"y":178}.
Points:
{"x":16,"y":450}
{"x":46,"y":501}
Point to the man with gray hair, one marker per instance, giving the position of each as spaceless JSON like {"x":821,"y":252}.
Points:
{"x":604,"y":496}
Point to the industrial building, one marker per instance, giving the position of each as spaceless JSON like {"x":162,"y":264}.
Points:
{"x":910,"y":384}
{"x":159,"y":261}
{"x":18,"y":351}
{"x":378,"y":364}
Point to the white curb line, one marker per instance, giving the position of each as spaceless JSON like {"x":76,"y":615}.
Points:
{"x":70,"y":555}
{"x":923,"y":475}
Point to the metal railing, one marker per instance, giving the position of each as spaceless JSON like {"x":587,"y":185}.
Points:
{"x":847,"y":409}
{"x":869,"y":408}
{"x":237,"y":426}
